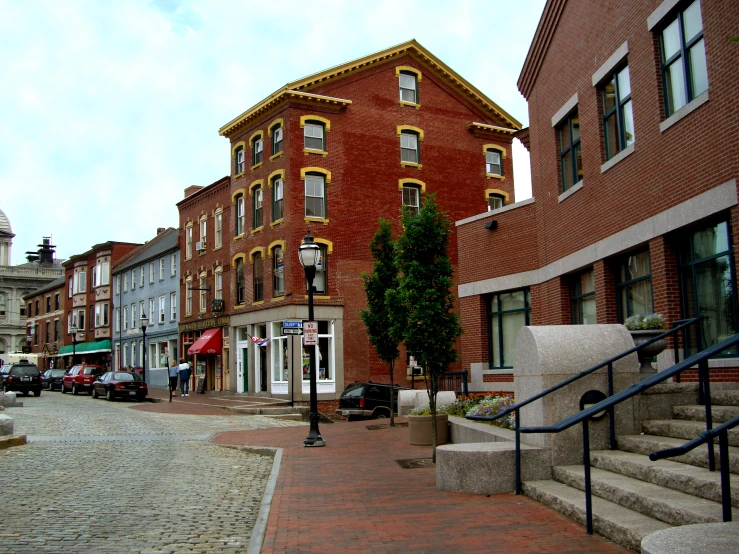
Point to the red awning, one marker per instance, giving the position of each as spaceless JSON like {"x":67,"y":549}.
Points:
{"x":209,"y":342}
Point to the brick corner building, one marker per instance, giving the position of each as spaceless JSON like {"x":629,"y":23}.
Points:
{"x":332,"y":153}
{"x":634,"y":174}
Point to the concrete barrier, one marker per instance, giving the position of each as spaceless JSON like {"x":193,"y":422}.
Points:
{"x":9,"y":400}
{"x":6,"y":425}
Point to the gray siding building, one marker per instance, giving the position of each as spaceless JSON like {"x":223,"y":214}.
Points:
{"x":146,"y":282}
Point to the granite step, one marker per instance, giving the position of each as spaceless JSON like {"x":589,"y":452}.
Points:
{"x":646,"y":444}
{"x":725,"y":397}
{"x":686,"y":478}
{"x":621,"y":525}
{"x":668,"y":505}
{"x":683,"y":429}
{"x":719,"y":413}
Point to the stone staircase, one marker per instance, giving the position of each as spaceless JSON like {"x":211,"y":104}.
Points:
{"x":633,"y":496}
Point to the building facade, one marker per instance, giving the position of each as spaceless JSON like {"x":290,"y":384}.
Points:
{"x":205,"y":283}
{"x":89,"y":304}
{"x":45,"y":309}
{"x":634,"y":173}
{"x":146,"y":283}
{"x":17,"y":281}
{"x":332,"y":153}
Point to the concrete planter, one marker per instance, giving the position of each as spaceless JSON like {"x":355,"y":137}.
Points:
{"x":646,"y":354}
{"x":420,"y":430}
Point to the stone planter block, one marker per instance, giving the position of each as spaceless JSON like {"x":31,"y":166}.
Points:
{"x":420,"y":430}
{"x":8,"y":400}
{"x":6,"y":425}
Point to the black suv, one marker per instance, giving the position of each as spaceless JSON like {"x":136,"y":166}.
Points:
{"x":22,"y":377}
{"x":367,"y":400}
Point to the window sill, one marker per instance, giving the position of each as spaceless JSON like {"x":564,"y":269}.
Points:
{"x":277,"y":298}
{"x":239,"y":175}
{"x":570,"y":191}
{"x":321,"y":153}
{"x":686,"y":110}
{"x":239,"y":306}
{"x":278,"y":222}
{"x":617,"y":158}
{"x":317,"y":297}
{"x":257,"y":303}
{"x":260,"y":164}
{"x":237,"y":237}
{"x":217,"y":247}
{"x":411,"y":164}
{"x":494,"y":176}
{"x":257,"y":230}
{"x":279,"y":154}
{"x":409,"y":104}
{"x":316,"y":220}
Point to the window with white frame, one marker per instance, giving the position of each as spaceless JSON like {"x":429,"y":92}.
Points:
{"x":258,"y":220}
{"x":80,"y":282}
{"x":102,"y":270}
{"x":151,"y":308}
{"x":125,"y":282}
{"x":409,"y":147}
{"x":141,"y":309}
{"x":495,"y":201}
{"x":133,"y":279}
{"x":313,"y":135}
{"x":320,"y":281}
{"x":412,"y":198}
{"x":188,"y":241}
{"x":315,"y":195}
{"x":203,"y":233}
{"x":239,"y":215}
{"x":118,"y":284}
{"x":278,"y":272}
{"x":124,"y":357}
{"x":134,"y":322}
{"x":280,"y":358}
{"x":219,"y":230}
{"x":408,"y":87}
{"x":101,"y":314}
{"x":173,"y":269}
{"x":276,"y":139}
{"x":117,"y":320}
{"x":188,"y":296}
{"x":151,"y":272}
{"x":203,"y":293}
{"x":257,"y":147}
{"x":277,"y":194}
{"x":141,"y":276}
{"x":69,"y":293}
{"x":219,"y":283}
{"x":239,"y":160}
{"x":493,"y":162}
{"x":162,"y":308}
{"x":161,"y":269}
{"x":172,"y":306}
{"x":125,"y":317}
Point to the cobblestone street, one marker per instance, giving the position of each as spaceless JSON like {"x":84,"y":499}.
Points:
{"x":99,"y":476}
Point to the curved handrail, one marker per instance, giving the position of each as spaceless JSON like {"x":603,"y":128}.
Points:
{"x":635,"y":389}
{"x":703,"y":438}
{"x":683,"y":323}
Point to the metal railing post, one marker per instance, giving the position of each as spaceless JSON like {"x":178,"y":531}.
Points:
{"x":518,"y":453}
{"x":588,"y":488}
{"x":465,"y":390}
{"x":706,"y":388}
{"x":723,"y":452}
{"x":611,"y":410}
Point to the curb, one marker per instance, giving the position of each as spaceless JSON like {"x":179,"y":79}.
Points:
{"x":12,"y":440}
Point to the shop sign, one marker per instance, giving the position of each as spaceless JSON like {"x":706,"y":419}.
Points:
{"x":222,"y":321}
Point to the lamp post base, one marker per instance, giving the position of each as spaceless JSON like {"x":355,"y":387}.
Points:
{"x":314,"y":441}
{"x":314,"y":437}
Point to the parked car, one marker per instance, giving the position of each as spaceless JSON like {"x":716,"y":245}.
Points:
{"x":367,"y":400}
{"x":52,"y":379}
{"x":117,"y":384}
{"x":22,"y":376}
{"x":80,"y":378}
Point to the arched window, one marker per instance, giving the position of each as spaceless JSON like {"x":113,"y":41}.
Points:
{"x":276,"y":132}
{"x":315,"y":195}
{"x":278,"y":192}
{"x":240,"y":299}
{"x":257,"y":147}
{"x":278,"y":271}
{"x":258,"y":277}
{"x":239,"y":202}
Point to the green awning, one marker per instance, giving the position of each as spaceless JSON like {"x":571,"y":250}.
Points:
{"x":86,"y":347}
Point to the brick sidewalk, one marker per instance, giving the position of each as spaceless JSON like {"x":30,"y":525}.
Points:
{"x":352,"y":496}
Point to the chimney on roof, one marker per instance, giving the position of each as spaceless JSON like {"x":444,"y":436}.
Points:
{"x":45,"y":254}
{"x":192,"y":189}
{"x":160,"y":230}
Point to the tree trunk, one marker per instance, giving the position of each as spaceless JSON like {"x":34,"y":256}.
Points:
{"x":432,"y":406}
{"x":390,"y":367}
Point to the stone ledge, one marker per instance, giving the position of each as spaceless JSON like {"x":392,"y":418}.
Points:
{"x":13,"y":440}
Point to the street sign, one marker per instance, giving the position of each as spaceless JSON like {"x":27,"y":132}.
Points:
{"x":310,"y":329}
{"x":292,"y":324}
{"x":291,"y":331}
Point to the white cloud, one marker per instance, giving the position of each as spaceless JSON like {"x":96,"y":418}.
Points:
{"x":112,"y":109}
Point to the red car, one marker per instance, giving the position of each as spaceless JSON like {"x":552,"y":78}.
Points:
{"x":80,"y":378}
{"x":118,"y":384}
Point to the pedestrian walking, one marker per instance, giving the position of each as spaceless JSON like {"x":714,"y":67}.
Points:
{"x":185,"y":372}
{"x":173,"y":371}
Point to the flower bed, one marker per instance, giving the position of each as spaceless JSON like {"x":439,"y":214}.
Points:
{"x":484,"y":404}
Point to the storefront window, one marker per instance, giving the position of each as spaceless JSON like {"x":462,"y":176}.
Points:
{"x":324,"y":353}
{"x":280,"y":359}
{"x":707,"y":285}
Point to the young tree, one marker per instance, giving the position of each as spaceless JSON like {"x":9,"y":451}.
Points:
{"x":424,"y":291}
{"x":378,"y":317}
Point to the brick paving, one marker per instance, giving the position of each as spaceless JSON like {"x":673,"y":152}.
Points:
{"x":352,"y":496}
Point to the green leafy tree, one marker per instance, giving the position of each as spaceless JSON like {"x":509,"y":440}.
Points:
{"x":378,"y":317}
{"x":424,"y":294}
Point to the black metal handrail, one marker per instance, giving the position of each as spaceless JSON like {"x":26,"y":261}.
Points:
{"x":701,"y":359}
{"x":681,"y":324}
{"x":722,"y":432}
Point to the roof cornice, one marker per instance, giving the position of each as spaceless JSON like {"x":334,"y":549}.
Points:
{"x":412,"y":47}
{"x":539,"y":45}
{"x":486,"y":128}
{"x":280,"y":97}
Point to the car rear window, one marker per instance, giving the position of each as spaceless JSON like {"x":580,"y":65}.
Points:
{"x":90,"y":371}
{"x":58,"y":373}
{"x":126,"y":377}
{"x":354,"y":390}
{"x":25,"y":370}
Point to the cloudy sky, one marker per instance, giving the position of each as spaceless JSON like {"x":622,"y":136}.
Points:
{"x":111,"y":108}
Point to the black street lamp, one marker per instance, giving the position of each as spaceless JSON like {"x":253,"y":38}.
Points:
{"x":73,"y":329}
{"x":309,"y":253}
{"x":144,"y":324}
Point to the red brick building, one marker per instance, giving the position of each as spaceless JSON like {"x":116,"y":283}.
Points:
{"x":633,"y":139}
{"x":89,"y":303}
{"x":205,"y":277}
{"x":332,"y":153}
{"x":45,"y":309}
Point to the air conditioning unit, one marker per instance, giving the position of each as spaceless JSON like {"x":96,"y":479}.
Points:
{"x":200,"y":245}
{"x":415,"y":370}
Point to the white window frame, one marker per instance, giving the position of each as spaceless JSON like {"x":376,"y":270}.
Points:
{"x":125,"y":317}
{"x":133,"y":279}
{"x":203,"y":301}
{"x":406,"y":146}
{"x":118,"y":284}
{"x":188,"y":241}
{"x":125,"y":281}
{"x":203,"y":231}
{"x":489,"y":165}
{"x":124,"y":356}
{"x":151,"y":272}
{"x":172,"y":306}
{"x":278,"y":358}
{"x":162,"y":308}
{"x":141,"y":277}
{"x":133,"y":316}
{"x":309,"y":179}
{"x":173,"y":269}
{"x":314,"y":131}
{"x":218,"y":278}
{"x":413,"y":89}
{"x":151,"y":309}
{"x":141,"y":308}
{"x":219,"y":230}
{"x":417,"y":192}
{"x":188,"y":296}
{"x":117,"y":320}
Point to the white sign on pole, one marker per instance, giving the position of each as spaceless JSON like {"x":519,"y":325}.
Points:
{"x":310,"y":333}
